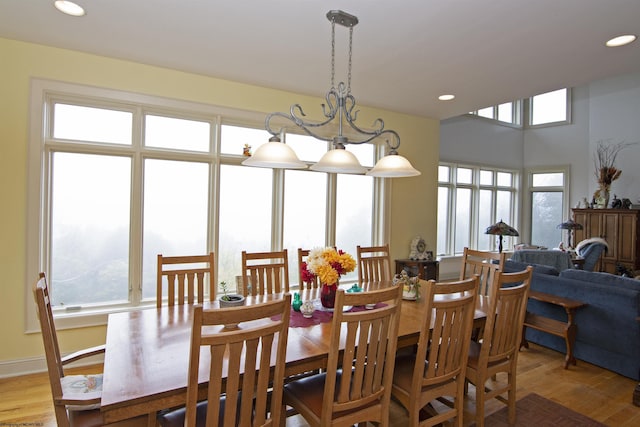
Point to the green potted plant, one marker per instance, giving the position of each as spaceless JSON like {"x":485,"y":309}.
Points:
{"x":229,"y":299}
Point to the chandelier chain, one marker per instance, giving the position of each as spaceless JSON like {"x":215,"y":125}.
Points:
{"x":350,"y":54}
{"x":333,"y":53}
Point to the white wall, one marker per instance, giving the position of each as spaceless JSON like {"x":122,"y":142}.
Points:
{"x":614,"y":113}
{"x":475,"y":140}
{"x":565,"y":145}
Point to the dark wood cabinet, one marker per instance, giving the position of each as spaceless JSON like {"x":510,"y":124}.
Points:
{"x":424,"y":269}
{"x":620,"y":228}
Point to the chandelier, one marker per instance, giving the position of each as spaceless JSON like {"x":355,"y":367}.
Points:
{"x":340,"y":106}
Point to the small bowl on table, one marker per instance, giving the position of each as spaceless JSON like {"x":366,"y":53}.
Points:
{"x":307,"y":309}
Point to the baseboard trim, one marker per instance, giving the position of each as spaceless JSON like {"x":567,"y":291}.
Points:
{"x":35,"y":365}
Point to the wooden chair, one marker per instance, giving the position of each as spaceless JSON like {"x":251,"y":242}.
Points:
{"x":356,"y":386}
{"x":186,"y":273}
{"x":437,"y":369}
{"x":76,"y":398}
{"x":302,"y":256}
{"x":497,"y":352}
{"x":485,"y":264}
{"x":242,"y":354}
{"x":265,"y":273}
{"x":374,"y":263}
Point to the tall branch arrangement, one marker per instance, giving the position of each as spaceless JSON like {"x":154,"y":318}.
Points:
{"x":604,"y":160}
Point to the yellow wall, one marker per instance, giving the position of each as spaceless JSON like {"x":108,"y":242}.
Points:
{"x":413,"y":199}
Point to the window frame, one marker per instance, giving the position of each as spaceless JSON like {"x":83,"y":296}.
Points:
{"x":522,"y":113}
{"x":516,"y":114}
{"x":529,"y":111}
{"x":530,"y":189}
{"x":475,"y":228}
{"x":38,"y":242}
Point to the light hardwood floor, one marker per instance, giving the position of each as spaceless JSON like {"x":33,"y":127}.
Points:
{"x":593,"y":391}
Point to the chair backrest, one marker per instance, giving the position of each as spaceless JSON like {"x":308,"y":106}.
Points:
{"x":302,"y":257}
{"x":49,"y":335}
{"x":185,"y":273}
{"x":65,"y":395}
{"x":483,"y":263}
{"x":507,"y":308}
{"x":240,"y":367}
{"x":265,"y":272}
{"x":374,"y":263}
{"x":591,"y":254}
{"x":445,"y":334}
{"x":366,"y":365}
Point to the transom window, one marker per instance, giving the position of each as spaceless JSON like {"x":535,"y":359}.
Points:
{"x":546,"y":109}
{"x":550,"y":108}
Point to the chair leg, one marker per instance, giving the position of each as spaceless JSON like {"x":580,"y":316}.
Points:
{"x":480,"y":403}
{"x":152,"y":420}
{"x":282,"y":422}
{"x":511,"y":396}
{"x":62,"y":417}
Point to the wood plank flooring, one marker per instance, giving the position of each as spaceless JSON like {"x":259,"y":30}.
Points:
{"x":590,"y":390}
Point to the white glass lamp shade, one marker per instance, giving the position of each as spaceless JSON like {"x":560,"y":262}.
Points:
{"x":339,"y":160}
{"x":393,"y":166}
{"x":275,"y":154}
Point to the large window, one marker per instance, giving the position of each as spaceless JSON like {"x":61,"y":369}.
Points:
{"x":115,"y":182}
{"x":547,"y":193}
{"x":471,"y":198}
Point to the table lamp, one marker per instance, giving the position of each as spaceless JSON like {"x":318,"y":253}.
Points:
{"x":570,"y":225}
{"x":501,"y":229}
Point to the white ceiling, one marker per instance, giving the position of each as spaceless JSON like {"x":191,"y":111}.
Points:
{"x":405,"y":52}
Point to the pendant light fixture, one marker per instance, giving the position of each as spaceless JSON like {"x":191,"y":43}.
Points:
{"x":340,"y":106}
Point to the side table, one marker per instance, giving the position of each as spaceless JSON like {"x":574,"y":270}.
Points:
{"x":566,"y":330}
{"x":425,"y":269}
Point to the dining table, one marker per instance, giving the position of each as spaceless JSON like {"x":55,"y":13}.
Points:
{"x":147,"y":351}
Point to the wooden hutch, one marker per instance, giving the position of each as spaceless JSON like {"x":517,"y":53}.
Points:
{"x":620,"y":228}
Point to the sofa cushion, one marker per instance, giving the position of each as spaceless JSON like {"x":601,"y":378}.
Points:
{"x":602,"y":278}
{"x":511,"y":266}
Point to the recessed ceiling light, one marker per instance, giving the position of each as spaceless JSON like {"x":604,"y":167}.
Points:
{"x":69,"y":7}
{"x":446,"y":97}
{"x":621,"y":40}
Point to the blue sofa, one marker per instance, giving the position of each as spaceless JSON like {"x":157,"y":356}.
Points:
{"x":608,"y":329}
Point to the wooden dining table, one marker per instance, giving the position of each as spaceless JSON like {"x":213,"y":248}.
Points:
{"x":147,"y":353}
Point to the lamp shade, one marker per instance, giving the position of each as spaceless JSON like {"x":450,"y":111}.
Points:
{"x":339,"y":160}
{"x":393,"y":166}
{"x":275,"y":154}
{"x":501,"y":229}
{"x":570,"y":225}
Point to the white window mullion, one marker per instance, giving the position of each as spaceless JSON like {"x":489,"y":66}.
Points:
{"x":137,"y":197}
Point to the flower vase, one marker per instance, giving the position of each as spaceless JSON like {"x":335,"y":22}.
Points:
{"x":602,"y":197}
{"x":328,"y":295}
